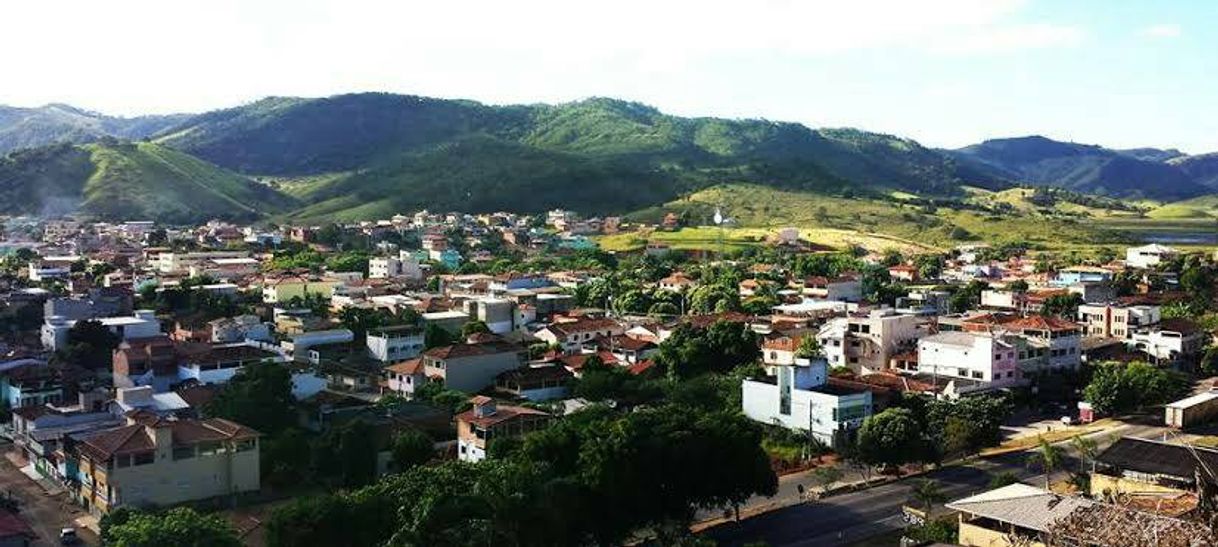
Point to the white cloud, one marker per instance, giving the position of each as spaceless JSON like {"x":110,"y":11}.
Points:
{"x":1162,"y":30}
{"x":999,"y":39}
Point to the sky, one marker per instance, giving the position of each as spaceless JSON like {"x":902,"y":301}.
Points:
{"x":1122,"y":73}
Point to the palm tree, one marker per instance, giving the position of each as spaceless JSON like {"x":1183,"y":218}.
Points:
{"x":1087,"y":450}
{"x":1048,"y":457}
{"x":927,"y":492}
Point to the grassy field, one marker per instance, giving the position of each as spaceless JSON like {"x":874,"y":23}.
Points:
{"x":839,"y":222}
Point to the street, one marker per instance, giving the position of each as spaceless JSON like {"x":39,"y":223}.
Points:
{"x":847,"y":518}
{"x":45,"y":514}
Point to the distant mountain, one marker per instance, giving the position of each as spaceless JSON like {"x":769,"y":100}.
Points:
{"x":1202,"y":168}
{"x":117,"y":180}
{"x":1152,"y":154}
{"x":53,"y":123}
{"x":1083,"y":168}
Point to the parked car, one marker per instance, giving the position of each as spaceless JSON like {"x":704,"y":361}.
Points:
{"x":67,"y":536}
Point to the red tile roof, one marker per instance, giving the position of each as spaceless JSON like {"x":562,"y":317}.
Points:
{"x":408,"y":367}
{"x":1038,"y":322}
{"x":502,"y":414}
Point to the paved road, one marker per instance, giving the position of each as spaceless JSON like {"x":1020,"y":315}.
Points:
{"x":847,"y":518}
{"x":45,"y":514}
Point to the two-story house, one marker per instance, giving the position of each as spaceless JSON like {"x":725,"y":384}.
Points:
{"x":802,"y":398}
{"x":571,"y":336}
{"x":1115,"y":320}
{"x":472,"y":367}
{"x":155,"y":461}
{"x":488,"y":421}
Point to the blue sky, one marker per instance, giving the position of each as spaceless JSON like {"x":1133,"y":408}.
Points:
{"x":1121,"y":73}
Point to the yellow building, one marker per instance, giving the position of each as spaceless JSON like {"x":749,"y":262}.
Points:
{"x":155,"y":461}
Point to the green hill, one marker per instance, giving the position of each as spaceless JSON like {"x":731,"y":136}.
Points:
{"x":118,"y":180}
{"x":57,"y":123}
{"x":597,"y":155}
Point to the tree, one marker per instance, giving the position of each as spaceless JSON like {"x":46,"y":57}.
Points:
{"x":178,"y":527}
{"x":809,"y":348}
{"x":892,"y":437}
{"x":259,"y":396}
{"x":284,"y":458}
{"x":714,"y":298}
{"x":927,"y":492}
{"x":1018,"y":286}
{"x":1118,"y":387}
{"x":1048,"y":457}
{"x":1061,"y":305}
{"x":1087,"y":449}
{"x":1004,"y":478}
{"x":90,"y":345}
{"x":474,"y":327}
{"x":435,"y":336}
{"x":410,"y":448}
{"x":346,"y":454}
{"x":723,"y":346}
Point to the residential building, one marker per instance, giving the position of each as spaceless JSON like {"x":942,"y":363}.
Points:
{"x":803,"y":399}
{"x":676,"y":282}
{"x":472,"y":367}
{"x":49,"y":268}
{"x":538,"y":383}
{"x":1149,"y":256}
{"x":1115,"y":320}
{"x":498,"y":313}
{"x":181,"y":263}
{"x":227,"y":330}
{"x":225,"y":268}
{"x":1133,"y":466}
{"x":985,"y":360}
{"x":488,"y":420}
{"x":30,"y":382}
{"x":1169,"y":340}
{"x":846,"y":288}
{"x":1021,"y":514}
{"x":924,"y":303}
{"x":398,"y":343}
{"x":284,"y":289}
{"x":156,"y":461}
{"x":1080,"y":274}
{"x":405,"y":377}
{"x":142,"y":324}
{"x":572,"y":335}
{"x":869,"y":339}
{"x":100,"y":302}
{"x":1050,"y":344}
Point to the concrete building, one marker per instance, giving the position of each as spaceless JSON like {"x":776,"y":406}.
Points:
{"x":498,"y":313}
{"x":869,"y":339}
{"x":572,"y":335}
{"x":155,"y":461}
{"x":143,"y":324}
{"x":801,"y":398}
{"x":472,"y":367}
{"x":1169,"y":340}
{"x":1149,"y":256}
{"x":284,"y":289}
{"x":50,"y":268}
{"x":1115,"y":320}
{"x":987,"y":359}
{"x":229,"y":330}
{"x":181,"y":263}
{"x":846,"y":288}
{"x":391,"y":344}
{"x":488,"y":420}
{"x":1049,"y":343}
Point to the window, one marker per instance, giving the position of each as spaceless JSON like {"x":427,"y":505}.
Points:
{"x":143,"y":458}
{"x":962,"y":372}
{"x":978,"y":375}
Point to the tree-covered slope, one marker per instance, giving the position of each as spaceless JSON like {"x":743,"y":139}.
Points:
{"x":1203,"y":169}
{"x":1083,"y":168}
{"x":55,"y":123}
{"x":118,"y":180}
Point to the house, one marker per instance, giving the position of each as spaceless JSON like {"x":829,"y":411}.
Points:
{"x":846,"y":288}
{"x":226,"y":268}
{"x":238,"y":329}
{"x":472,"y":367}
{"x":539,"y":383}
{"x":488,"y":421}
{"x":397,"y":343}
{"x":50,"y":268}
{"x":181,"y":263}
{"x":1191,"y":411}
{"x":924,"y":303}
{"x":142,"y":324}
{"x":155,"y":461}
{"x":1133,"y":466}
{"x":780,"y":350}
{"x":1080,"y":274}
{"x":1149,"y":256}
{"x":1051,"y":344}
{"x":903,"y":272}
{"x":676,"y":282}
{"x":32,"y":383}
{"x":801,"y":398}
{"x":624,"y":349}
{"x":986,"y":360}
{"x":1115,"y":320}
{"x":1021,"y":514}
{"x":38,"y":431}
{"x":283,"y":289}
{"x":1169,"y":340}
{"x":497,"y":313}
{"x":405,"y":377}
{"x":572,"y":335}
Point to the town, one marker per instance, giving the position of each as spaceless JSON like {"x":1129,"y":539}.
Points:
{"x":449,"y":376}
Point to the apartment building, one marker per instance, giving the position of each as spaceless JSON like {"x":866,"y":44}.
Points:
{"x":1115,"y":320}
{"x":985,"y":360}
{"x":868,"y":340}
{"x":802,"y":398}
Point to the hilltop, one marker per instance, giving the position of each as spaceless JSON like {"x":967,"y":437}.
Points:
{"x":58,"y":123}
{"x":119,"y":180}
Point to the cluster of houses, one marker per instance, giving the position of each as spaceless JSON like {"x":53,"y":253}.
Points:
{"x":136,"y":432}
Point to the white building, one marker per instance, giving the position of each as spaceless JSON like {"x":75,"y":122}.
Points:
{"x":392,"y":344}
{"x":800,"y":398}
{"x":867,"y":341}
{"x":181,"y":263}
{"x":978,"y":357}
{"x":1169,"y":340}
{"x":1149,"y":256}
{"x":143,"y":324}
{"x":51,"y":267}
{"x":1115,"y":321}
